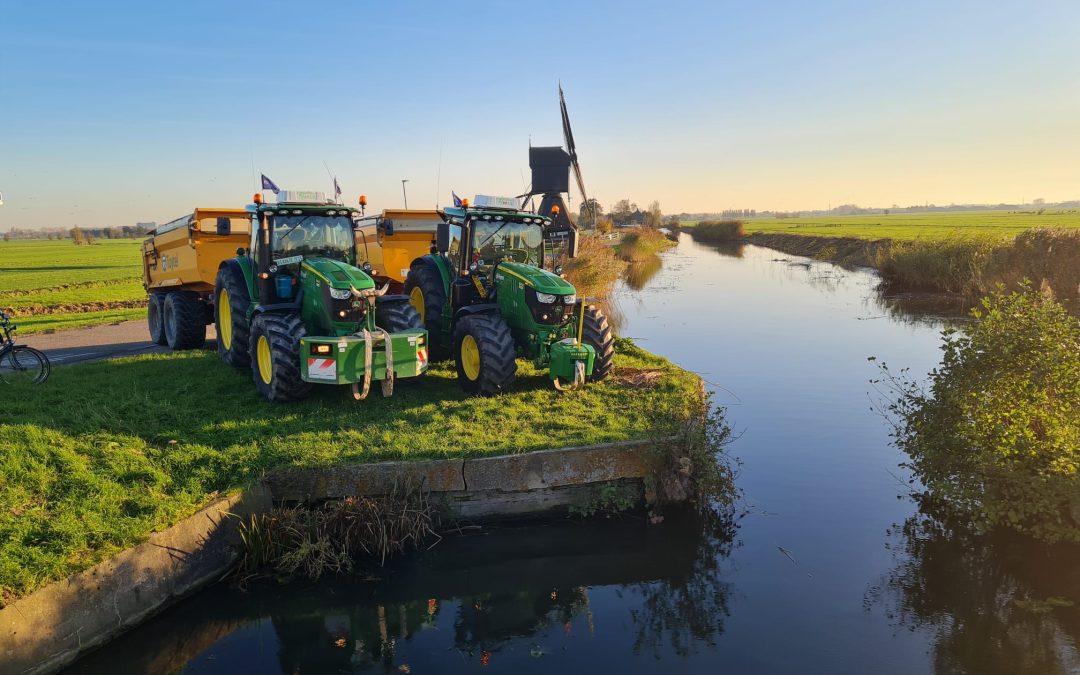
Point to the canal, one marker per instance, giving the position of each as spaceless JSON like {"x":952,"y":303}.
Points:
{"x":827,"y":567}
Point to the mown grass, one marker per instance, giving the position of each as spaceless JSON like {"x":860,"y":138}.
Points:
{"x":105,"y":453}
{"x":51,"y":285}
{"x":1002,"y":225}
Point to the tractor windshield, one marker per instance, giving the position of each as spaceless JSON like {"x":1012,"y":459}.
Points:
{"x":497,"y":240}
{"x":312,"y":235}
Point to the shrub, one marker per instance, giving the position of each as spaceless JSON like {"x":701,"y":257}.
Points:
{"x":642,"y":244}
{"x":997,"y":435}
{"x":595,"y":269}
{"x":718,"y":230}
{"x":959,"y":264}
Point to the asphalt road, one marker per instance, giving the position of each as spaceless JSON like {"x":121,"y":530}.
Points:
{"x":80,"y":345}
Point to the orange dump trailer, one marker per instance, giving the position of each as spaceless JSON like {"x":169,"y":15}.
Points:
{"x":392,"y":240}
{"x":180,"y":262}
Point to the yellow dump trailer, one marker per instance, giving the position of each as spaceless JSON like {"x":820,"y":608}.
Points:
{"x":180,"y":261}
{"x":391,"y":241}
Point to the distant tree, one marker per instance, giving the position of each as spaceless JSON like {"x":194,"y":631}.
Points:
{"x":590,"y":212}
{"x":77,"y":236}
{"x":89,"y":239}
{"x":653,"y":217}
{"x":7,"y":236}
{"x":604,"y":224}
{"x":622,"y":211}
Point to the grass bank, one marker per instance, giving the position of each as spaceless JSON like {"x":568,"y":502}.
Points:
{"x":52,"y":285}
{"x":106,"y":453}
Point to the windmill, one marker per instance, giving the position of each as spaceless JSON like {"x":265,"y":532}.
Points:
{"x":551,"y":177}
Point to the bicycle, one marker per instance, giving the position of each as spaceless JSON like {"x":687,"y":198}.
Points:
{"x":19,"y":363}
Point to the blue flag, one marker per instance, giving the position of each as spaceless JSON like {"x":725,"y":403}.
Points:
{"x":457,"y":200}
{"x":268,"y":184}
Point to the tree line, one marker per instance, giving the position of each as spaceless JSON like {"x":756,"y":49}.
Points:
{"x":80,"y":235}
{"x":624,"y":213}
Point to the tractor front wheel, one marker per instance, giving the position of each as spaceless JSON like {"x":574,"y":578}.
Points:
{"x":424,"y":286}
{"x":275,"y":357}
{"x":231,"y":303}
{"x":484,"y":351}
{"x":597,"y":332}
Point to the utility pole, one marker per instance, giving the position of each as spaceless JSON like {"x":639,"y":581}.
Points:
{"x":405,"y":196}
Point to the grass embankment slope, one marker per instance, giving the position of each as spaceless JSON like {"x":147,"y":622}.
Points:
{"x":969,"y":253}
{"x":51,"y":285}
{"x":105,"y":453}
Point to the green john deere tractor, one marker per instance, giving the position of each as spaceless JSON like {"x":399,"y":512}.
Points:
{"x":296,"y":309}
{"x":486,"y":299}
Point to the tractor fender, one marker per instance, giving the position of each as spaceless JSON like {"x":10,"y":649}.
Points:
{"x":481,"y":308}
{"x":432,"y":262}
{"x":242,"y":266}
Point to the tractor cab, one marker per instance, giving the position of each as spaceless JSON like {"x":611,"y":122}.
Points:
{"x":304,"y":246}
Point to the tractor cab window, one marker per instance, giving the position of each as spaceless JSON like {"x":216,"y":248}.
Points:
{"x":314,"y":236}
{"x":498,"y":240}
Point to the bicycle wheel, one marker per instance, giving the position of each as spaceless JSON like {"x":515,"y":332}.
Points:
{"x":24,"y":365}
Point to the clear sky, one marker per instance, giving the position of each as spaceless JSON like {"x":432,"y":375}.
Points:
{"x":112,"y":113}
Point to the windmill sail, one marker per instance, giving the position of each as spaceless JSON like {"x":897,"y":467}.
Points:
{"x":571,"y":149}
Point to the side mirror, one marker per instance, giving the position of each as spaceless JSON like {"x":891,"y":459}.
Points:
{"x":571,"y":244}
{"x":224,"y":226}
{"x":442,"y":237}
{"x":388,"y":228}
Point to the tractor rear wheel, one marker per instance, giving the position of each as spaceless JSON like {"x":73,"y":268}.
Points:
{"x":155,"y":317}
{"x":424,"y":286}
{"x":597,"y":332}
{"x":185,"y":320}
{"x":231,"y":304}
{"x":275,"y":357}
{"x":484,"y":351}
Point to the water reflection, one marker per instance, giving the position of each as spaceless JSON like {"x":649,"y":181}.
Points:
{"x":639,"y":272}
{"x":499,"y":597}
{"x":991,"y":603}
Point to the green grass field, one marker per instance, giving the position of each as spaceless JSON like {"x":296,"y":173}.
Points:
{"x":1001,"y":225}
{"x":51,"y":285}
{"x":105,"y":453}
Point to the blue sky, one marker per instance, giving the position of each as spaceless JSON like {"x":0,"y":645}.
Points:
{"x":113,"y":113}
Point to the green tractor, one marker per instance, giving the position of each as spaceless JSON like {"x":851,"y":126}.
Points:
{"x":485,"y":297}
{"x":296,"y":309}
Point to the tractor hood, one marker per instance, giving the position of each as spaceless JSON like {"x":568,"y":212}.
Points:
{"x":539,"y":280}
{"x":337,"y":274}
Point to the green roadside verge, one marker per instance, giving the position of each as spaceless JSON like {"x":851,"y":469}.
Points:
{"x":182,"y":428}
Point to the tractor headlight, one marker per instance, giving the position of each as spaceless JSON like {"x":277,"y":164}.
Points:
{"x":569,"y":299}
{"x":340,"y":293}
{"x":545,"y":298}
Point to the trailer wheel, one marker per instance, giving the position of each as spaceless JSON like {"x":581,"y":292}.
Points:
{"x":597,"y":332}
{"x":231,"y":304}
{"x":155,"y":317}
{"x":395,"y":316}
{"x":484,"y":351}
{"x":275,"y":357}
{"x":185,"y":320}
{"x":424,"y":287}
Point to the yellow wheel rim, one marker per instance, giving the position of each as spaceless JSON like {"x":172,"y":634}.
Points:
{"x":470,"y":358}
{"x":416,"y":299}
{"x":225,"y":320}
{"x":266,"y":364}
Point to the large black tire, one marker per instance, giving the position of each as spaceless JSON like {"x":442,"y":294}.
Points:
{"x":275,"y":367}
{"x":394,"y":316}
{"x":424,"y":286}
{"x":492,"y":367}
{"x":155,"y":317}
{"x":185,"y":320}
{"x":231,"y":294}
{"x":597,"y":332}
